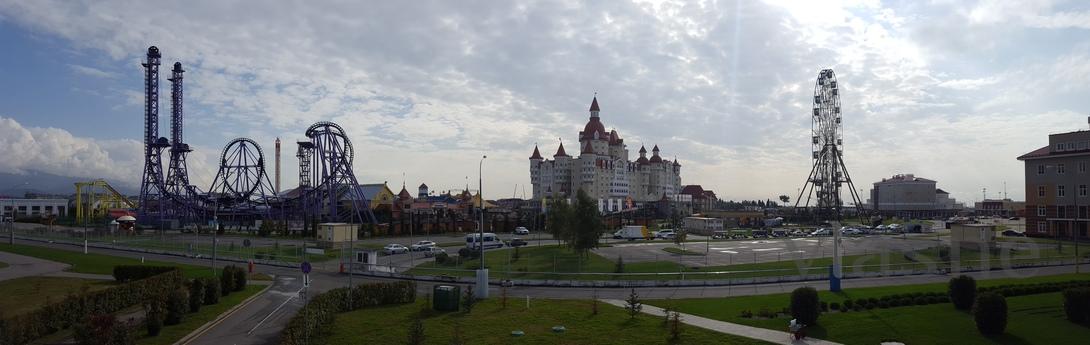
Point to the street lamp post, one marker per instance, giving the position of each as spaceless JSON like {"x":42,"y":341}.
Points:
{"x":482,"y":273}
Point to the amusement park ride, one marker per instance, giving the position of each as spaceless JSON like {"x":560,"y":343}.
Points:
{"x":241,"y":192}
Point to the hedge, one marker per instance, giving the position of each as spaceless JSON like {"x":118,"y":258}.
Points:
{"x":990,"y":313}
{"x":27,"y":327}
{"x":321,"y":309}
{"x":1077,"y":304}
{"x":962,"y":291}
{"x":805,"y":306}
{"x":925,"y":298}
{"x":126,"y":273}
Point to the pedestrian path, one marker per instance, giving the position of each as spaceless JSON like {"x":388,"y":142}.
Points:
{"x":24,"y":266}
{"x":776,"y":337}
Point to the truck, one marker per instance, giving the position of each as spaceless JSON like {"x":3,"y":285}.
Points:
{"x":632,"y":232}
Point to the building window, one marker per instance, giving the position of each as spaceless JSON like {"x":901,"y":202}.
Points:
{"x":1041,"y":191}
{"x":1060,"y":147}
{"x":1042,"y":211}
{"x":1040,"y":169}
{"x":1060,"y":168}
{"x":1061,"y":211}
{"x":1082,"y":190}
{"x":1082,"y":167}
{"x":1060,"y":192}
{"x":1042,"y":226}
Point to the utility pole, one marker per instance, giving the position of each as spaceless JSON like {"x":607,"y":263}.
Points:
{"x":482,"y":273}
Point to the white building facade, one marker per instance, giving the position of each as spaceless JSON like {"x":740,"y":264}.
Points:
{"x":603,"y":170}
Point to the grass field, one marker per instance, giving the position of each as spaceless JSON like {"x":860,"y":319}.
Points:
{"x":557,"y":262}
{"x":171,"y":334}
{"x":1030,"y":316}
{"x":28,"y":293}
{"x":489,"y":323}
{"x":96,"y":263}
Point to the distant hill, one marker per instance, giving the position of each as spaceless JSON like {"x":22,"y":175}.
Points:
{"x":17,"y":185}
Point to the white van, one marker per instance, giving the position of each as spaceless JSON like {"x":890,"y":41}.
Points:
{"x":490,"y":241}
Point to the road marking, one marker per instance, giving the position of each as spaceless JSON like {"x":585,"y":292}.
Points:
{"x":766,"y":249}
{"x":728,"y":251}
{"x":275,"y":310}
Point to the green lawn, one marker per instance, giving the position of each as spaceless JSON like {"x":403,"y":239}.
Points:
{"x":171,"y":334}
{"x":937,"y":323}
{"x":560,"y":262}
{"x":28,"y":293}
{"x":96,"y":263}
{"x":489,"y":323}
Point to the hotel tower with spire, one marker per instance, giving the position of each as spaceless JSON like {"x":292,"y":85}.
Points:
{"x":603,"y":170}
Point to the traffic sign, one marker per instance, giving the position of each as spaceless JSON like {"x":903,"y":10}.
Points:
{"x":305,"y":267}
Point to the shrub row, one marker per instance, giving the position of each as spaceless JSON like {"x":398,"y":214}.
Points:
{"x":1036,"y":288}
{"x":321,"y":309}
{"x":24,"y":328}
{"x":1077,"y":304}
{"x":232,"y":278}
{"x":925,"y":298}
{"x":126,"y":273}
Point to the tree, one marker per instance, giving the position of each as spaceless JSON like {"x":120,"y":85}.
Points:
{"x":416,"y":332}
{"x":633,"y":305}
{"x":586,"y":224}
{"x":962,"y":292}
{"x":468,"y":300}
{"x":990,"y":313}
{"x":557,"y":219}
{"x":805,"y":306}
{"x":153,"y":316}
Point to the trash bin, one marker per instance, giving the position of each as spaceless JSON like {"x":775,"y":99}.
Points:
{"x":446,"y":297}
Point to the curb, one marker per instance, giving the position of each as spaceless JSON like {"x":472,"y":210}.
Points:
{"x":208,"y":325}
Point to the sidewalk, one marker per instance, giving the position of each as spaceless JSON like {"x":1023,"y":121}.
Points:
{"x":777,"y":337}
{"x":24,"y":266}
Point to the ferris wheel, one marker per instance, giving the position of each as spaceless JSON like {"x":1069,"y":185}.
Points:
{"x":827,"y":147}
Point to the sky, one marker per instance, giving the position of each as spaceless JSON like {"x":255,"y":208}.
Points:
{"x":952,"y":91}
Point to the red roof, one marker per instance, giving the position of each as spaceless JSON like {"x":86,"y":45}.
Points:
{"x":1041,"y":152}
{"x":641,"y":160}
{"x":594,"y":126}
{"x":560,"y":151}
{"x":614,"y":139}
{"x":536,"y":155}
{"x":587,"y":148}
{"x":594,"y":104}
{"x":693,"y":189}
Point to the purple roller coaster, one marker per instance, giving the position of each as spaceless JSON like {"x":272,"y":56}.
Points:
{"x":241,"y":192}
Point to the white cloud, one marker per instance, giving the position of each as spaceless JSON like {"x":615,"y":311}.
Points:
{"x":424,"y":88}
{"x":91,"y":71}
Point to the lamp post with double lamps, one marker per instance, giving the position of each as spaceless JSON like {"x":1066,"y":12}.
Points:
{"x":482,"y":273}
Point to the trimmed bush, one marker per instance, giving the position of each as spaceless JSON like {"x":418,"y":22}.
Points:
{"x":125,"y":273}
{"x":211,"y":291}
{"x":857,"y":307}
{"x":990,"y":313}
{"x":872,"y":300}
{"x":1077,"y":304}
{"x":883,"y":304}
{"x":919,"y":300}
{"x":322,"y":308}
{"x":834,"y":306}
{"x":844,"y":308}
{"x":870,"y":305}
{"x":52,"y":317}
{"x":805,"y":306}
{"x":176,"y":307}
{"x":240,"y":279}
{"x":824,"y":306}
{"x":153,"y":317}
{"x":227,"y":280}
{"x":196,"y":295}
{"x":896,"y":302}
{"x":962,"y":292}
{"x":103,"y":329}
{"x":849,"y":303}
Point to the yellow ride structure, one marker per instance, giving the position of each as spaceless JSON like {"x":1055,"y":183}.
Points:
{"x":94,"y":199}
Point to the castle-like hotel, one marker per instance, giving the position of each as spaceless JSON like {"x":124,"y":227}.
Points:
{"x":604,"y":171}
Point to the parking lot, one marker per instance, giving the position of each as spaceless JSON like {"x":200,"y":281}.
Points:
{"x":731,"y":252}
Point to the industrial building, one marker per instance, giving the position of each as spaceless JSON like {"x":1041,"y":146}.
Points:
{"x":702,"y":225}
{"x":24,"y":208}
{"x":1056,"y":186}
{"x":908,"y":196}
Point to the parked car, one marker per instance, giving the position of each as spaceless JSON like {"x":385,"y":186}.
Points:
{"x":720,"y":235}
{"x":421,"y":246}
{"x":522,"y":231}
{"x":668,"y":236}
{"x":394,"y":248}
{"x":821,"y":232}
{"x":1013,"y":218}
{"x":882,"y":227}
{"x":664,"y":233}
{"x":433,"y":251}
{"x":517,"y":242}
{"x":851,"y":232}
{"x":1012,"y":233}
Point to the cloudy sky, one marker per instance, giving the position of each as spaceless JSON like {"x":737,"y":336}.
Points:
{"x":949,"y":90}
